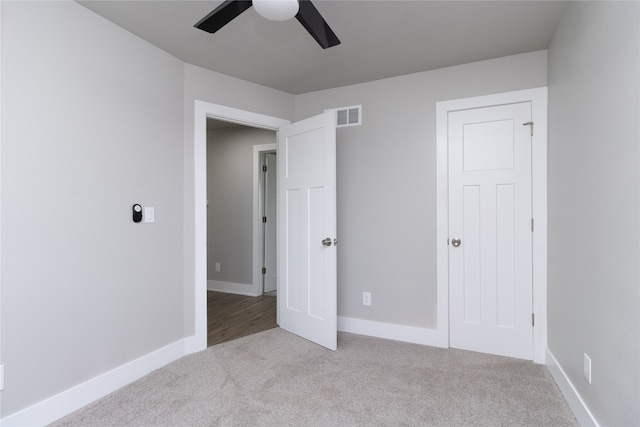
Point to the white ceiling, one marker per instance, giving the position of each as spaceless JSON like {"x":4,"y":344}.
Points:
{"x":379,"y":38}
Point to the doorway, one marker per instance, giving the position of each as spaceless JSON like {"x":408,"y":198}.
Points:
{"x":239,"y":193}
{"x":196,"y":314}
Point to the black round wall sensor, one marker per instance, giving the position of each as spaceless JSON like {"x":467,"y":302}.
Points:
{"x":137,"y":213}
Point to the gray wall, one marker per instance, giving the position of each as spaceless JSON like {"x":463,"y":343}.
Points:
{"x":230,"y":195}
{"x":92,"y":122}
{"x":594,"y":213}
{"x":386,"y":182}
{"x":95,"y":119}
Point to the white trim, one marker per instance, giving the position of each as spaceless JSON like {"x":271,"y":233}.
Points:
{"x":258,"y":235}
{"x":575,"y":402}
{"x":539,"y":105}
{"x":248,"y":290}
{"x":1,"y":359}
{"x":390,"y":331}
{"x":202,"y":110}
{"x":538,"y":99}
{"x":68,"y":401}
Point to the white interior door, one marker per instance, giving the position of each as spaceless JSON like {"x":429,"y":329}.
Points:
{"x":307,"y":229}
{"x":270,"y":207}
{"x":490,"y":235}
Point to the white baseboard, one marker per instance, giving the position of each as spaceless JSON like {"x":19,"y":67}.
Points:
{"x":232,"y":288}
{"x":56,"y":407}
{"x":411,"y":334}
{"x":577,"y":405}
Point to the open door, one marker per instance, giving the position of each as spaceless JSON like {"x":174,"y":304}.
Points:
{"x":307,"y":303}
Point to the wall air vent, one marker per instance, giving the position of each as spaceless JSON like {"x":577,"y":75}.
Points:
{"x":348,"y":116}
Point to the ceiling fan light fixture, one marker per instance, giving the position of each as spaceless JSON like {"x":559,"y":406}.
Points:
{"x":277,"y":10}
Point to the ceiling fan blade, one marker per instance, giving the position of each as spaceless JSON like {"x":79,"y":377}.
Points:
{"x":315,"y":24}
{"x":222,"y":15}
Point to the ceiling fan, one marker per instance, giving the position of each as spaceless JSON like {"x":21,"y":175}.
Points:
{"x":278,"y":10}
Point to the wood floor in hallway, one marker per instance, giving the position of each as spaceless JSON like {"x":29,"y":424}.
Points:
{"x":232,"y":316}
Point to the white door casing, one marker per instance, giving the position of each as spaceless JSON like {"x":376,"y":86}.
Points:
{"x":198,"y":264}
{"x":270,"y":236}
{"x":490,"y":265}
{"x":307,"y":303}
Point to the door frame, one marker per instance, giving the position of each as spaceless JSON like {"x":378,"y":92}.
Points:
{"x":258,"y":211}
{"x":202,"y":111}
{"x":538,"y":99}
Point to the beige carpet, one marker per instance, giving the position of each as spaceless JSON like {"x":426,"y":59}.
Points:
{"x":278,"y":379}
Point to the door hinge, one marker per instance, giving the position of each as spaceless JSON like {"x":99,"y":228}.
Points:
{"x":532,"y":223}
{"x":264,"y":219}
{"x":533,"y":319}
{"x":529,"y":124}
{"x":264,"y":270}
{"x":264,"y":168}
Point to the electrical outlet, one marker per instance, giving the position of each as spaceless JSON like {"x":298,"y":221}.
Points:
{"x":587,"y":368}
{"x":366,"y":298}
{"x":217,"y":267}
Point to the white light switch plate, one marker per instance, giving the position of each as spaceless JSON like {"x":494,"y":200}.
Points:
{"x":149,"y":214}
{"x":1,"y":377}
